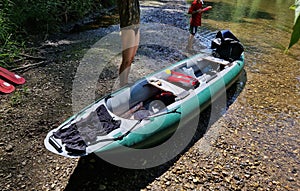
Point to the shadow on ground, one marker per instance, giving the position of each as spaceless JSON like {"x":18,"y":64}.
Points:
{"x":93,"y":173}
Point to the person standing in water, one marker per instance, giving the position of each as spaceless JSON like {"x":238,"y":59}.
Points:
{"x":196,"y":10}
{"x":129,"y":13}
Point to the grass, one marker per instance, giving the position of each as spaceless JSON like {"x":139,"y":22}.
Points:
{"x":18,"y":96}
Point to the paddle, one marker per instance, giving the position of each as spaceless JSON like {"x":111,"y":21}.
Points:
{"x":12,"y":77}
{"x":6,"y":87}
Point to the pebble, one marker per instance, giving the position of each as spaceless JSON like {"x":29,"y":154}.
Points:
{"x":9,"y":148}
{"x":290,"y":178}
{"x":102,"y":187}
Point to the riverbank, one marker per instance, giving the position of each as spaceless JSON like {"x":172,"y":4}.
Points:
{"x":254,"y":146}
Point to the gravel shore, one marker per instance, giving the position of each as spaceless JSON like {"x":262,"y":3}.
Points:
{"x":252,"y":146}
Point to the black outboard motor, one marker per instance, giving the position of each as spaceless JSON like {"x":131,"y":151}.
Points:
{"x":227,"y":46}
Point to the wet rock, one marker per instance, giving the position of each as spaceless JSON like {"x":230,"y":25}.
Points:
{"x":9,"y":148}
{"x":102,"y":187}
{"x":291,"y":179}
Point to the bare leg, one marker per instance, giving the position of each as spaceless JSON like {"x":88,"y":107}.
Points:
{"x":190,"y":42}
{"x":125,"y":66}
{"x":130,"y":42}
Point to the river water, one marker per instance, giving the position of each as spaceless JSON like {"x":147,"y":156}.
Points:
{"x":264,"y":27}
{"x":268,"y":109}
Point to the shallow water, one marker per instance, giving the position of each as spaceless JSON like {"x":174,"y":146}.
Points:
{"x":264,"y":27}
{"x":268,"y":107}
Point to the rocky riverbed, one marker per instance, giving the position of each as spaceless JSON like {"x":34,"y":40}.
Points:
{"x":254,"y":145}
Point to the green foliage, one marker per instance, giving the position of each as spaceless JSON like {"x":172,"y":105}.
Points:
{"x":296,"y":29}
{"x":108,"y":3}
{"x":20,"y":18}
{"x":8,"y":46}
{"x":9,"y":50}
{"x":43,"y":16}
{"x":4,"y":29}
{"x":46,"y":16}
{"x":36,"y":16}
{"x":5,"y":24}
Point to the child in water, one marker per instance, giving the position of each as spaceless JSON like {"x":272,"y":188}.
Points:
{"x":196,"y":10}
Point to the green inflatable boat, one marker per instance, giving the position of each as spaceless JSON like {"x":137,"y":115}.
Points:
{"x":148,"y":112}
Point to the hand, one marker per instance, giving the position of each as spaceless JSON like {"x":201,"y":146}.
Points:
{"x":207,"y":8}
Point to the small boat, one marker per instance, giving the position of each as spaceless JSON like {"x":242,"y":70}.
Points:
{"x":148,"y":111}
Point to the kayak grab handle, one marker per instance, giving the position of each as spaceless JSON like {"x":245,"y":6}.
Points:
{"x":163,"y":113}
{"x":55,"y":144}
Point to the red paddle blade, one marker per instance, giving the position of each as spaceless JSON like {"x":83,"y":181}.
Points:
{"x":12,"y":77}
{"x":6,"y":87}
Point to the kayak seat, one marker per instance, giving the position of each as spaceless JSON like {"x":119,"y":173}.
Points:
{"x":139,"y":92}
{"x":203,"y":66}
{"x":168,"y":87}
